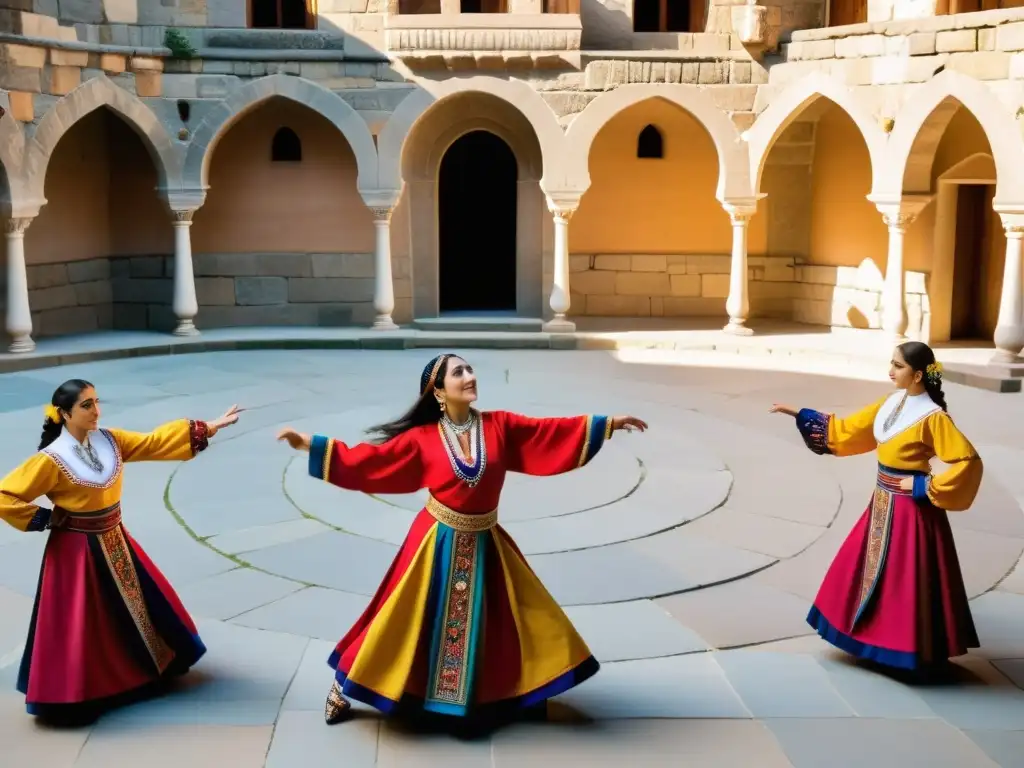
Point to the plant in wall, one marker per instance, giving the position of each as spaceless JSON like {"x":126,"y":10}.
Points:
{"x":181,"y":47}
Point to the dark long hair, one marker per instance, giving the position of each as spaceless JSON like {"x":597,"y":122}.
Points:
{"x":919,"y":356}
{"x":424,"y":411}
{"x":64,"y":398}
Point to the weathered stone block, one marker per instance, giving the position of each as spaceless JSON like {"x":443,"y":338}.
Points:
{"x":642,"y":284}
{"x":685,"y":285}
{"x":22,"y":106}
{"x":82,"y":11}
{"x":148,"y":84}
{"x":593,"y":282}
{"x":342,"y":264}
{"x":954,"y":40}
{"x":62,"y":58}
{"x":46,"y":276}
{"x":112,"y":63}
{"x":701,"y":265}
{"x":252,"y":264}
{"x":303,"y":290}
{"x":676,"y":306}
{"x":714,"y":286}
{"x":15,"y":55}
{"x":982,"y":65}
{"x":577,"y":263}
{"x":216,"y":291}
{"x":142,"y":290}
{"x":63,"y":80}
{"x":28,"y":79}
{"x":147,"y":266}
{"x":645,"y":263}
{"x":129,"y":317}
{"x":1010,"y":37}
{"x":60,"y":322}
{"x":258,"y":291}
{"x":53,"y":298}
{"x":618,"y":306}
{"x":613,"y":262}
{"x":93,"y":292}
{"x":713,"y":72}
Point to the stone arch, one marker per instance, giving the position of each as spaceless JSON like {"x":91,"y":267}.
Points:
{"x":91,"y":95}
{"x":305,"y":92}
{"x":921,"y":123}
{"x":13,"y":195}
{"x":519,"y":95}
{"x":792,"y":102}
{"x":733,"y":173}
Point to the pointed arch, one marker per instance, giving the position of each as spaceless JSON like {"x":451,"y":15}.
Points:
{"x":12,"y":158}
{"x":305,"y":92}
{"x":517,"y":93}
{"x":791,"y":103}
{"x":87,"y":98}
{"x":733,"y":173}
{"x":912,"y":145}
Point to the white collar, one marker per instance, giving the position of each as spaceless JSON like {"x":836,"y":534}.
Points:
{"x":916,"y":408}
{"x":62,"y":451}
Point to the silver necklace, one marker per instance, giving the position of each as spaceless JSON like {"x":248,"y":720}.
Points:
{"x":471,"y":473}
{"x":88,"y":455}
{"x":891,"y":418}
{"x":459,"y":429}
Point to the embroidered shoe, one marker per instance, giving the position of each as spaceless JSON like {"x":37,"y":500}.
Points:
{"x":337,"y":708}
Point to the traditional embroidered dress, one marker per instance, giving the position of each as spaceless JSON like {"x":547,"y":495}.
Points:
{"x":894,"y":593}
{"x":106,"y":624}
{"x":461,"y":624}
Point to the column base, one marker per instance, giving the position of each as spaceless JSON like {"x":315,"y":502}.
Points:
{"x":186,"y":328}
{"x":384,"y":323}
{"x":559,"y":325}
{"x":1005,"y":356}
{"x":21,"y":345}
{"x":738,"y":328}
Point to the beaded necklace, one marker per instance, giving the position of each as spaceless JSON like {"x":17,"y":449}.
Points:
{"x":472,"y":472}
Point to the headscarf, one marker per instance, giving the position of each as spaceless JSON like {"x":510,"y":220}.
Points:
{"x":429,"y":376}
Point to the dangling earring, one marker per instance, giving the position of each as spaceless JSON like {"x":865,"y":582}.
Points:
{"x":440,"y":402}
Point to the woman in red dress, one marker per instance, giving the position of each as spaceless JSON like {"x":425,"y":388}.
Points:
{"x":106,"y":626}
{"x":460,"y":626}
{"x":894,"y":594}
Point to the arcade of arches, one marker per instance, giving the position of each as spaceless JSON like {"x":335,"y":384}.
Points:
{"x":284,"y":236}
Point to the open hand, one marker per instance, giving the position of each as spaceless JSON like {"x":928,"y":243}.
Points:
{"x":628,"y":423}
{"x":297,"y":440}
{"x":786,"y":409}
{"x":230,"y":417}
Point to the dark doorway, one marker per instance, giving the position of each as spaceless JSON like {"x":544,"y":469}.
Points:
{"x":476,"y":218}
{"x":977,"y":266}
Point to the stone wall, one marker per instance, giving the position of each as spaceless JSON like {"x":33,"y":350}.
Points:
{"x":852,"y":297}
{"x":683,"y":285}
{"x":233,"y":289}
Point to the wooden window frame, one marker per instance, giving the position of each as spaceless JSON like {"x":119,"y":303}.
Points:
{"x":311,"y":14}
{"x":696,"y":22}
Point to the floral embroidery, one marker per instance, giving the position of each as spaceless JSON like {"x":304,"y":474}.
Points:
{"x":199,"y":436}
{"x":119,"y":560}
{"x":879,"y":529}
{"x":40,"y":520}
{"x":450,"y":683}
{"x":114,"y":476}
{"x":813,"y":426}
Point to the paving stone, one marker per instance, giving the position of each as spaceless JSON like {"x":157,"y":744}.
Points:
{"x":400,"y":748}
{"x":634,"y":630}
{"x":778,"y":685}
{"x":979,"y":698}
{"x":229,"y":594}
{"x":647,"y":743}
{"x":890,"y":743}
{"x":873,"y":694}
{"x":262,"y":536}
{"x":169,"y":746}
{"x":1005,"y":748}
{"x":27,"y":744}
{"x":326,"y":614}
{"x":301,"y":738}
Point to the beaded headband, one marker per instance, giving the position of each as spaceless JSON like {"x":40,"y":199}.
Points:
{"x":429,"y":376}
{"x":934,"y":373}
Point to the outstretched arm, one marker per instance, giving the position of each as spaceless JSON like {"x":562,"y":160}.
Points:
{"x":176,"y":441}
{"x":19,"y":490}
{"x":552,"y":446}
{"x":827,"y":433}
{"x":393,"y":467}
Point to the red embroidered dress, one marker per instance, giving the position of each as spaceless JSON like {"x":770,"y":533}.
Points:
{"x":460,"y":623}
{"x":106,"y":623}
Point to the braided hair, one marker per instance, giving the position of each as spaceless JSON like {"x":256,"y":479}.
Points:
{"x":920,"y":357}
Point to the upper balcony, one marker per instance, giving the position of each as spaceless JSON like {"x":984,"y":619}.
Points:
{"x":485,"y":34}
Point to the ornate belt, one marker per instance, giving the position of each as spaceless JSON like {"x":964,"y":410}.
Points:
{"x":889,"y":479}
{"x":460,"y":521}
{"x":100,"y":521}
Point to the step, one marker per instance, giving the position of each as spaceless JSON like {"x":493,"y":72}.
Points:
{"x":995,"y":378}
{"x":496,"y":323}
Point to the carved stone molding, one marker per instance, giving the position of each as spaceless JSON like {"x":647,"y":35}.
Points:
{"x":182,"y":217}
{"x":381,"y":213}
{"x":17,"y":226}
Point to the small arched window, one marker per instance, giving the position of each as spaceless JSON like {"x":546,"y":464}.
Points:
{"x":650,"y":144}
{"x":286,"y":147}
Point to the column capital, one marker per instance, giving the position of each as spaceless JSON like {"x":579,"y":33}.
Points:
{"x":1012,"y":219}
{"x":17,"y":225}
{"x":380,"y":198}
{"x":183,"y":216}
{"x":381,"y":213}
{"x":900,"y":211}
{"x":563,"y":204}
{"x":183,"y":199}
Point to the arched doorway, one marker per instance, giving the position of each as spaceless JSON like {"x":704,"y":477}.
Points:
{"x":477,"y":211}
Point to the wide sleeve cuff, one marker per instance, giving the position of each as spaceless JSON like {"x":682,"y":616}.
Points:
{"x":320,"y":450}
{"x":598,"y":430}
{"x":199,"y":436}
{"x":813,"y":426}
{"x":921,"y":483}
{"x":40,"y":520}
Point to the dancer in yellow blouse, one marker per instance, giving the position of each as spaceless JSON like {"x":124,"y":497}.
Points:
{"x":106,"y":625}
{"x":894,"y":593}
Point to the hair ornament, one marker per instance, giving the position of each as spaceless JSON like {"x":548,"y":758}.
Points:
{"x":52,"y":414}
{"x":934,"y":373}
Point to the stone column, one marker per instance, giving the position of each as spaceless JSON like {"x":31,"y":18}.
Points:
{"x":1009,"y":334}
{"x":897,"y":217}
{"x":560,"y":279}
{"x":19,"y":313}
{"x":383,"y":282}
{"x":185,"y":305}
{"x":738,"y":302}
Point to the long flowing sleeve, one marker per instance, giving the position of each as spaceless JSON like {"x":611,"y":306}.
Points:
{"x":396,"y":466}
{"x":955,"y":489}
{"x":176,"y":441}
{"x":848,"y":436}
{"x":552,"y":446}
{"x":35,"y":478}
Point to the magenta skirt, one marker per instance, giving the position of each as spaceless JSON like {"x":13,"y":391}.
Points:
{"x":894,"y":593}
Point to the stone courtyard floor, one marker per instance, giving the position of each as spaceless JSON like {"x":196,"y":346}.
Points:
{"x":687,"y":557}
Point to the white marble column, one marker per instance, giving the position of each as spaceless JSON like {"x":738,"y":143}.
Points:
{"x":897,"y":216}
{"x":19,"y":313}
{"x":559,"y":323}
{"x":185,"y":305}
{"x":1009,"y":333}
{"x":738,"y":302}
{"x":383,"y":281}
